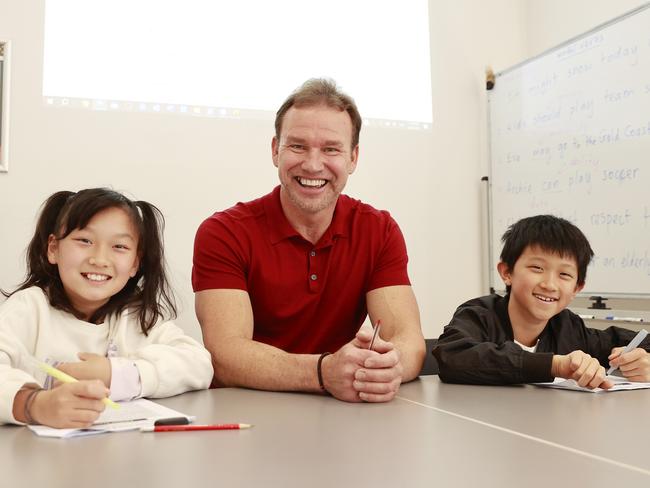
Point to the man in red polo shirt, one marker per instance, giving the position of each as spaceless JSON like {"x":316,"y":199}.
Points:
{"x":284,"y":283}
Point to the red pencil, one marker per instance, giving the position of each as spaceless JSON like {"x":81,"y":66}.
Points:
{"x":185,"y":428}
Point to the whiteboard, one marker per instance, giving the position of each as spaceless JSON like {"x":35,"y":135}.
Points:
{"x":570,"y":136}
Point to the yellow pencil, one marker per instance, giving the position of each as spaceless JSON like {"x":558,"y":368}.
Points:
{"x":66,"y":378}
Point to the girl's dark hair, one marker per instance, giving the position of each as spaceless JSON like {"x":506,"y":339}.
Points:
{"x":552,"y":234}
{"x":148,"y":293}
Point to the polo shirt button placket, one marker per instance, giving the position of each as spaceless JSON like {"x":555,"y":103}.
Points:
{"x":314,"y":285}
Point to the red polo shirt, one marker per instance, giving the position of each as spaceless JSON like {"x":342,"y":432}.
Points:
{"x":306,"y":298}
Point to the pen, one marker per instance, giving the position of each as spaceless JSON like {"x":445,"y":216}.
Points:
{"x":66,"y":378}
{"x":186,"y":428}
{"x":584,"y":317}
{"x":624,"y":319}
{"x":631,"y":346}
{"x":375,"y":334}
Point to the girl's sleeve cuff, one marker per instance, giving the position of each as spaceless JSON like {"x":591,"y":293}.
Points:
{"x":125,"y":379}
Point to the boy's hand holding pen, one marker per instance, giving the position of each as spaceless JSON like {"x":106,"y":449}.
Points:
{"x":631,"y":360}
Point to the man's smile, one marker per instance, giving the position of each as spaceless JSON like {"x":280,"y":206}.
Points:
{"x":311,"y":183}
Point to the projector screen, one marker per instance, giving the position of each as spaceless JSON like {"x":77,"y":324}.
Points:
{"x":237,"y":59}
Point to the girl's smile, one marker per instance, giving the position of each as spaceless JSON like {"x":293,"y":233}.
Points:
{"x":97,"y":261}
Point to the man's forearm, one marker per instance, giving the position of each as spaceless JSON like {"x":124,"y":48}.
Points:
{"x":398,"y":310}
{"x":244,"y":362}
{"x":412,"y":352}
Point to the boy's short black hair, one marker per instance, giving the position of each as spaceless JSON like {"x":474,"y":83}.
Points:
{"x":551,"y":234}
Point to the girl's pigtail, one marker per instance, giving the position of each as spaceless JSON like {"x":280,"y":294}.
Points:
{"x":39,"y":270}
{"x":157,"y":300}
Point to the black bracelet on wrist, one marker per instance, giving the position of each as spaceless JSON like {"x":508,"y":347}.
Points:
{"x":28,"y":404}
{"x":319,"y":371}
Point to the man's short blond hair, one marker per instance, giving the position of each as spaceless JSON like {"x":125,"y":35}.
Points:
{"x":317,"y":91}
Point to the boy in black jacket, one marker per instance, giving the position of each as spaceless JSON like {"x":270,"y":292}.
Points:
{"x":529,"y":335}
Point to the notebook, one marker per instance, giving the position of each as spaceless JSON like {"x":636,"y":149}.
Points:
{"x":131,"y":416}
{"x":620,"y":383}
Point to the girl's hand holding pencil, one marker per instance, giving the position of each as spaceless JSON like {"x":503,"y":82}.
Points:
{"x":66,"y":378}
{"x":70,"y":405}
{"x":92,"y":366}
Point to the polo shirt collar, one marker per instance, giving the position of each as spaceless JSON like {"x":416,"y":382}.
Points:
{"x":280,"y":228}
{"x":340,"y":225}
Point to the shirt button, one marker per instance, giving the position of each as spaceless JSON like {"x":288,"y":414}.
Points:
{"x":314,"y":277}
{"x":312,"y":254}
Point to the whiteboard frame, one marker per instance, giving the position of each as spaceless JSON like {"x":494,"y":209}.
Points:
{"x":613,"y":21}
{"x":492,"y":275}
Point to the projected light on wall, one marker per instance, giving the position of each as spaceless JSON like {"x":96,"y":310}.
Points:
{"x":237,"y":59}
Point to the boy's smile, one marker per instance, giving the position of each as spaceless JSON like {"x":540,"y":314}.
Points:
{"x":542,"y":285}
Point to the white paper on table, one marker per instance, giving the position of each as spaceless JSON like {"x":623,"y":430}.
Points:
{"x":620,"y":383}
{"x":130,"y":416}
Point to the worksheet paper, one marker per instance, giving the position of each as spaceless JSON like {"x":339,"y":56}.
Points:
{"x":620,"y":383}
{"x":130,"y":416}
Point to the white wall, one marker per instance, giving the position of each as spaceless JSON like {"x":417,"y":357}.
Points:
{"x":551,"y":22}
{"x":191,"y":167}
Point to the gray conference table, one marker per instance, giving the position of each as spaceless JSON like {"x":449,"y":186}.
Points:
{"x":608,"y":425}
{"x":431,"y":435}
